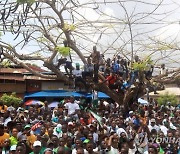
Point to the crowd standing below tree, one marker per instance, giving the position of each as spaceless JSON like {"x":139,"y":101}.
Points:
{"x":81,"y":127}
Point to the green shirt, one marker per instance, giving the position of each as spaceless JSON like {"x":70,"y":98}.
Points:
{"x":161,"y":151}
{"x":41,"y":151}
{"x":13,"y":140}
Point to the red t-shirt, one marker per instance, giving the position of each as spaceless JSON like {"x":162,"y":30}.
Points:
{"x":111,"y":79}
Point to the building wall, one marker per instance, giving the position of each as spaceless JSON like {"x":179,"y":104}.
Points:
{"x":33,"y":85}
{"x":16,"y":87}
{"x":49,"y":85}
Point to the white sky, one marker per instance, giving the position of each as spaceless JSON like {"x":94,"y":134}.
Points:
{"x":166,"y":30}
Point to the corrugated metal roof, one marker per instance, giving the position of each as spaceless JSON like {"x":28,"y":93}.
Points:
{"x":12,"y":70}
{"x":20,"y":70}
{"x":18,"y":78}
{"x":27,"y":77}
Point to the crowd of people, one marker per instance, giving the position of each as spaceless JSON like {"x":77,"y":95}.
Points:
{"x":77,"y":127}
{"x":118,"y":72}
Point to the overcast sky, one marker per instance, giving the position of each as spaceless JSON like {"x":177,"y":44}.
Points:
{"x":145,"y":26}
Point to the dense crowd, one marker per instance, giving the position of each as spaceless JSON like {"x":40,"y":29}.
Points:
{"x":79,"y":127}
{"x":118,"y":72}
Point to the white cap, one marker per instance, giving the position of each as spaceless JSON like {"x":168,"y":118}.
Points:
{"x":59,"y":126}
{"x":26,"y":111}
{"x":153,"y":120}
{"x":13,"y":147}
{"x":70,"y":123}
{"x":130,"y":112}
{"x":37,"y":143}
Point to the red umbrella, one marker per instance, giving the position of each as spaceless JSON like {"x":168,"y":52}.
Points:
{"x":33,"y":102}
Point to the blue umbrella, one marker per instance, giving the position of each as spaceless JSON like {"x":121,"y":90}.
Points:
{"x":53,"y":104}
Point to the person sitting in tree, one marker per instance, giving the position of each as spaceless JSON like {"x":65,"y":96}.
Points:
{"x":88,"y":69}
{"x":77,"y":73}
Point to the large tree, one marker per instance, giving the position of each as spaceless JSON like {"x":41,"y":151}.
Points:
{"x":33,"y":30}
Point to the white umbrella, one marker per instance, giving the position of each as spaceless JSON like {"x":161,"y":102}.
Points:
{"x":53,"y":104}
{"x":142,"y":101}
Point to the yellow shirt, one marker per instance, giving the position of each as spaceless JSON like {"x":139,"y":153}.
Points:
{"x":31,"y":139}
{"x":4,"y":137}
{"x":1,"y":108}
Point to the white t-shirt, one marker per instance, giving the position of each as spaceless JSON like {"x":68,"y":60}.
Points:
{"x":113,"y":151}
{"x":105,"y":103}
{"x":153,"y":127}
{"x":95,"y":137}
{"x":77,"y":73}
{"x":132,"y":151}
{"x":164,"y":129}
{"x":74,"y":151}
{"x":163,"y":71}
{"x":72,"y":107}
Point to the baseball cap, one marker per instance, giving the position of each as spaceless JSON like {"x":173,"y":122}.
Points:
{"x":130,"y":112}
{"x":48,"y":149}
{"x":70,"y":123}
{"x":13,"y":147}
{"x":153,"y":120}
{"x":26,"y":111}
{"x":27,"y":126}
{"x":37,"y":143}
{"x":77,"y":64}
{"x":83,"y":139}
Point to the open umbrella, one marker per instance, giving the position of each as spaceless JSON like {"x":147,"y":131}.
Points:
{"x":53,"y":104}
{"x":33,"y":102}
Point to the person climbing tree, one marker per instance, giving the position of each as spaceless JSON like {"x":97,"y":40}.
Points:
{"x":65,"y":59}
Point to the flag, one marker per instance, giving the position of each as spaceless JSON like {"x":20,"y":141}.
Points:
{"x":97,"y":117}
{"x":37,"y":125}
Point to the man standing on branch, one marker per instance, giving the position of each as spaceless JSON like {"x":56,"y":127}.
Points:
{"x":95,"y":55}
